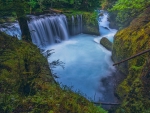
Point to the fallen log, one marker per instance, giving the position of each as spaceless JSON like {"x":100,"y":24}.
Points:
{"x":106,"y":103}
{"x":55,"y":10}
{"x":131,"y":57}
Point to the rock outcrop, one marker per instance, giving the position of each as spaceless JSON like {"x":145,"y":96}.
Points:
{"x":89,"y":23}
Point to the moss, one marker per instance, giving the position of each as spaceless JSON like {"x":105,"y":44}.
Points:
{"x":128,"y":42}
{"x":7,"y":19}
{"x":106,"y":43}
{"x":27,"y":85}
{"x":90,"y":24}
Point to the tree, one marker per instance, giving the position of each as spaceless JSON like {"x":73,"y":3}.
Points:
{"x":32,"y":4}
{"x":21,"y":16}
{"x":17,"y":6}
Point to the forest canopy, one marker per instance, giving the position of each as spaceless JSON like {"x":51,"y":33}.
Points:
{"x":7,"y":7}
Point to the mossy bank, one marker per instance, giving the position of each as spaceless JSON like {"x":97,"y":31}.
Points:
{"x":134,"y":90}
{"x":27,"y":85}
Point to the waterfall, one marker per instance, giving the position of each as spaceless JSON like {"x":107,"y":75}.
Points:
{"x":104,"y":29}
{"x":76,"y":25}
{"x":81,"y":23}
{"x":72,"y":27}
{"x":12,"y":29}
{"x":48,"y":29}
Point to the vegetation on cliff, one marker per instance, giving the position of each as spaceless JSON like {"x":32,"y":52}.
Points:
{"x":134,"y":90}
{"x":124,"y":11}
{"x":27,"y":85}
{"x":89,"y":20}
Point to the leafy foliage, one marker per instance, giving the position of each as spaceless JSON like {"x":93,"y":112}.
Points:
{"x":126,"y":10}
{"x":105,"y":4}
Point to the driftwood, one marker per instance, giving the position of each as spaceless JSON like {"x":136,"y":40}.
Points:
{"x":56,"y":11}
{"x":131,"y":57}
{"x":106,"y":103}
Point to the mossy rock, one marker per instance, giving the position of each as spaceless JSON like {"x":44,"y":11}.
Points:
{"x":90,"y":24}
{"x":106,"y":43}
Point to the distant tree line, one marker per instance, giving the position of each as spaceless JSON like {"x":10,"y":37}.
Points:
{"x":7,"y":7}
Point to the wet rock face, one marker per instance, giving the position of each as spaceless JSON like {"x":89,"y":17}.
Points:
{"x":89,"y":23}
{"x":90,"y":29}
{"x":106,"y":43}
{"x":128,"y":42}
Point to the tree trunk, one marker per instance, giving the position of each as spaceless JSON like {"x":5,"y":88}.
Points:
{"x":19,"y":9}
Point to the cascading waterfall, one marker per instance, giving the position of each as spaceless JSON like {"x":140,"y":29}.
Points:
{"x":104,"y":29}
{"x":46,"y":29}
{"x":81,"y":24}
{"x":73,"y":26}
{"x":49,"y":29}
{"x":12,"y":29}
{"x":76,"y":25}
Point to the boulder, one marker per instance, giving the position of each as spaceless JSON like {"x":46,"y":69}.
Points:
{"x":106,"y":43}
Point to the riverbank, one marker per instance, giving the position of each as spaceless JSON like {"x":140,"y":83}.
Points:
{"x":133,"y":90}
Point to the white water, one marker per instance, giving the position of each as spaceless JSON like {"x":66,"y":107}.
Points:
{"x":48,"y":29}
{"x":105,"y":31}
{"x":86,"y":64}
{"x":12,"y":29}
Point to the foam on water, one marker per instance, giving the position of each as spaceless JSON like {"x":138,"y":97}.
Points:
{"x":86,"y":63}
{"x":104,"y":29}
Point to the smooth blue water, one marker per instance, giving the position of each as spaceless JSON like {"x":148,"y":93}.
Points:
{"x":86,"y":63}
